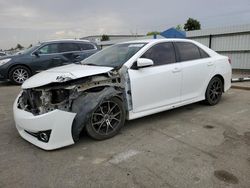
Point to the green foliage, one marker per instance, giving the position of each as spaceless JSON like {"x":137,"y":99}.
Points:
{"x":179,"y":27}
{"x":104,"y":37}
{"x":153,"y":33}
{"x":192,"y":24}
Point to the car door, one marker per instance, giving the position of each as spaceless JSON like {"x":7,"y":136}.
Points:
{"x":158,"y":85}
{"x":196,"y":69}
{"x":87,"y":49}
{"x":47,"y":56}
{"x":70,"y":52}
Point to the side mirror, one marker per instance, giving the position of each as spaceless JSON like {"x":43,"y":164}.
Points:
{"x":36,"y":54}
{"x":144,"y":62}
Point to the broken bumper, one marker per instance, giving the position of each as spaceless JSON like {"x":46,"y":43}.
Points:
{"x":57,"y":122}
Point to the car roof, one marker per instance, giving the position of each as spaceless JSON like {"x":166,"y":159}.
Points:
{"x":159,"y":40}
{"x":66,"y":40}
{"x":155,"y":41}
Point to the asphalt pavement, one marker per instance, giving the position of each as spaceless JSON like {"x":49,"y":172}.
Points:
{"x":192,"y":146}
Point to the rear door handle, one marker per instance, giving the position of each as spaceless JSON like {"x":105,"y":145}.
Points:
{"x":210,"y":64}
{"x":56,"y":58}
{"x":176,"y":69}
{"x":77,"y":57}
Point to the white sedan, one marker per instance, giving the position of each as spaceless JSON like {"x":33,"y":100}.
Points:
{"x":125,"y":81}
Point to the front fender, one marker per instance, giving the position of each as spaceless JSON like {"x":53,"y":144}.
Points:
{"x":84,"y":105}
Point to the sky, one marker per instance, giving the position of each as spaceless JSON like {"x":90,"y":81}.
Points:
{"x":30,"y":21}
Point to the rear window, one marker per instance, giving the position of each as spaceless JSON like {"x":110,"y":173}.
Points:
{"x":86,"y":46}
{"x":203,"y":53}
{"x":68,"y":47}
{"x":187,"y":51}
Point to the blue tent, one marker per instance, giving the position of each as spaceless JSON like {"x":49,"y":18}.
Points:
{"x":173,"y":33}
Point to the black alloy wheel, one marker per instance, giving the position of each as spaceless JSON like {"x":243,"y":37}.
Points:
{"x":214,"y":91}
{"x":107,"y":119}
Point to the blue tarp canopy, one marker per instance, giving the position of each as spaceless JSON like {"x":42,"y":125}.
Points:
{"x":173,"y":33}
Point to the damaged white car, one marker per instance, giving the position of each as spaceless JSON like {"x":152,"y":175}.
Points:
{"x":122,"y":82}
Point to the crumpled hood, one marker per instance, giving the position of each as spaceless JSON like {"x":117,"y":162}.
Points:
{"x":62,"y":74}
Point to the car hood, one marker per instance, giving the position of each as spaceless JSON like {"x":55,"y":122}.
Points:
{"x":9,"y":56}
{"x":63,"y":74}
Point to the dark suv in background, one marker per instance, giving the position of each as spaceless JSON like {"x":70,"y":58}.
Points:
{"x":21,"y":66}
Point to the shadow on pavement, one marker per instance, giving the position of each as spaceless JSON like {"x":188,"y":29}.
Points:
{"x":6,"y":83}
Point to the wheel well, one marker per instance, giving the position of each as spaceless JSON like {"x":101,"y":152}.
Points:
{"x":119,"y":98}
{"x":221,"y":78}
{"x":13,"y":66}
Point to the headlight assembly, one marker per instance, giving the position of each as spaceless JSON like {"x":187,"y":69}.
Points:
{"x":4,"y":61}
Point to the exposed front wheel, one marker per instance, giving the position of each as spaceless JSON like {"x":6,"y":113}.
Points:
{"x":214,"y":91}
{"x":106,"y":120}
{"x":19,"y":74}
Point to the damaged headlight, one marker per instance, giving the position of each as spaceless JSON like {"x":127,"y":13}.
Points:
{"x":59,"y":95}
{"x":42,"y":101}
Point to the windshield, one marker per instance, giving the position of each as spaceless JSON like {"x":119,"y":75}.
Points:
{"x":114,"y":56}
{"x":30,"y":49}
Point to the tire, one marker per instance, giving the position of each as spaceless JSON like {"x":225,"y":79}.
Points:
{"x":106,"y":120}
{"x":19,"y":74}
{"x":214,"y":91}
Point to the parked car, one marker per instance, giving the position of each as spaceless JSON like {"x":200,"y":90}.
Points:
{"x":24,"y":64}
{"x":2,"y":54}
{"x":125,"y":81}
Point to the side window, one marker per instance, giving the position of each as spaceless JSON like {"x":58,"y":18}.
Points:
{"x":49,"y":49}
{"x":86,"y":46}
{"x":161,"y":54}
{"x":203,"y":53}
{"x":68,"y":47}
{"x":188,"y":51}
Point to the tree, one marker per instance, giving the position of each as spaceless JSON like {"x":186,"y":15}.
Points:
{"x":104,"y":37}
{"x":153,"y":33}
{"x":19,"y":47}
{"x":192,"y":24}
{"x":179,"y":27}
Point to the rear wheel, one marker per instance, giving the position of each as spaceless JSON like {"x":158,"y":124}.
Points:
{"x":19,"y":74}
{"x":106,"y":120}
{"x":214,"y":91}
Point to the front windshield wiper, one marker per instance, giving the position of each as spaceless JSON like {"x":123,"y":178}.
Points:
{"x":89,"y":64}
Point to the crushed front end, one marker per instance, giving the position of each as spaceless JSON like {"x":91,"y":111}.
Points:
{"x":52,"y":116}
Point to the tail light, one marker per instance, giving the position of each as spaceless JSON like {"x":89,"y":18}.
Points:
{"x":229,"y":61}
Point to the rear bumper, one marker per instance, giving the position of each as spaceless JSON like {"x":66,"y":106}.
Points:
{"x":59,"y":122}
{"x":227,"y":79}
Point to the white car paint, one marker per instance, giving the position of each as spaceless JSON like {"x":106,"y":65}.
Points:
{"x":58,"y":121}
{"x":145,"y":84}
{"x":193,"y":77}
{"x":153,"y":89}
{"x":71,"y":71}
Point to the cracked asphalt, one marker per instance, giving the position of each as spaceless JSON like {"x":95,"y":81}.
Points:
{"x":192,"y":146}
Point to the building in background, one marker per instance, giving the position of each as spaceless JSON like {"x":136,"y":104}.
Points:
{"x":233,"y":42}
{"x":114,"y":39}
{"x":97,"y":38}
{"x":173,"y":33}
